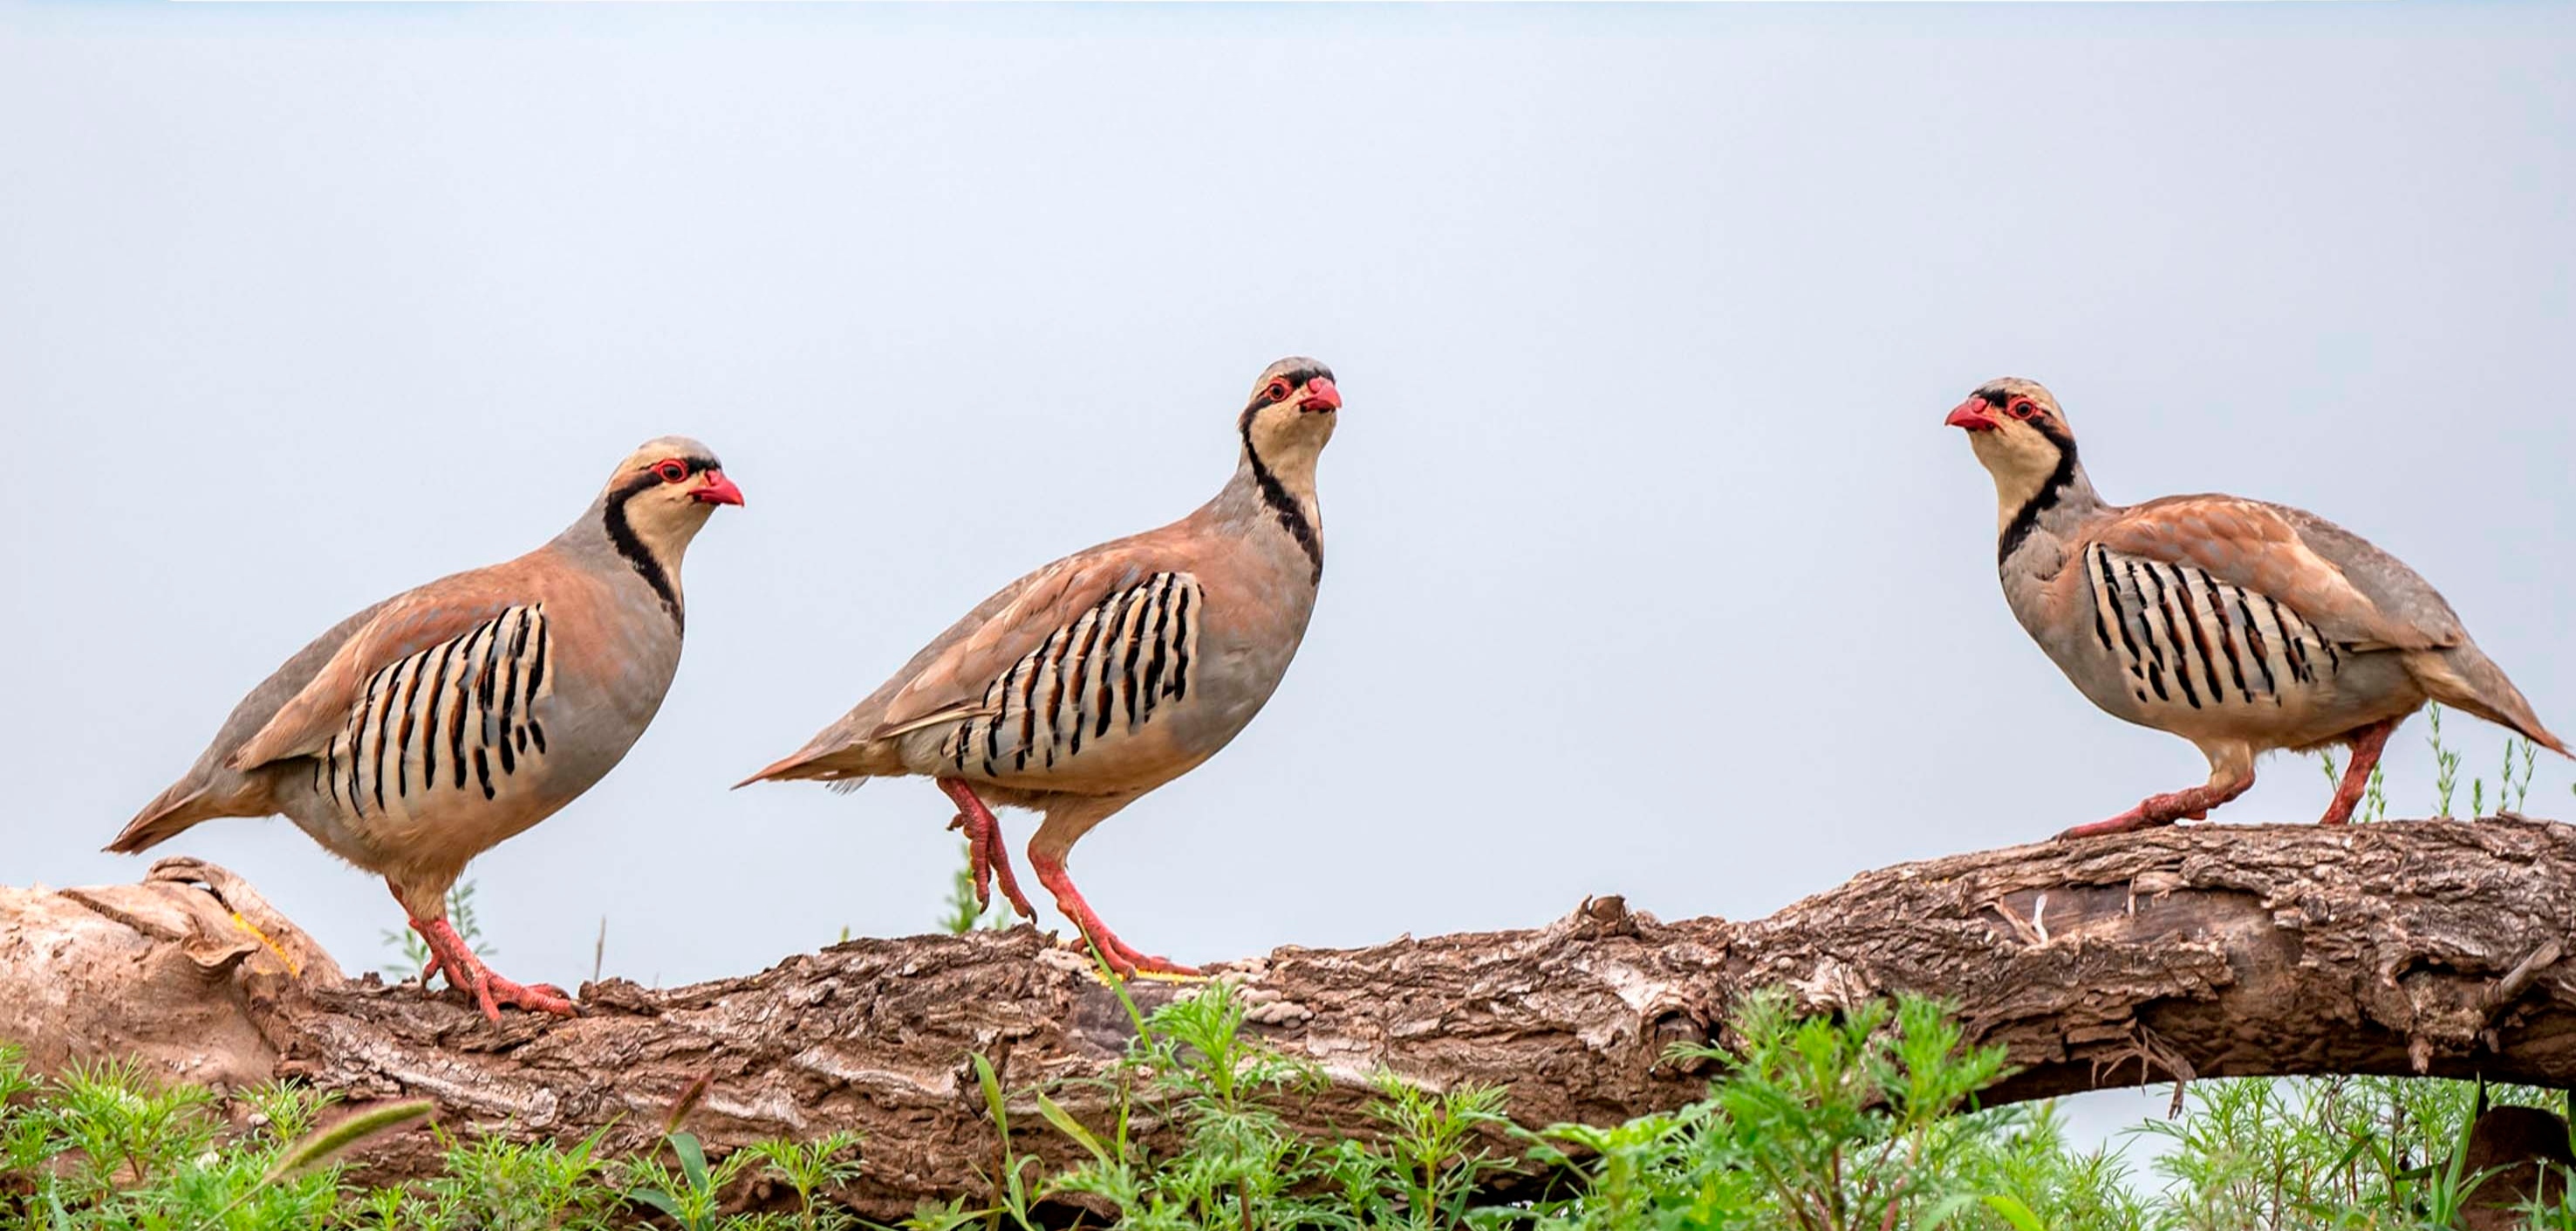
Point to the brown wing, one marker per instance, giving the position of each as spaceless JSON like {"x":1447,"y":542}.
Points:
{"x":949,"y":679}
{"x":952,"y":684}
{"x":405,"y":626}
{"x":2261,"y":548}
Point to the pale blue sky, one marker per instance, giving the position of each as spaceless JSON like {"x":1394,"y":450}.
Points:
{"x":1652,"y":569}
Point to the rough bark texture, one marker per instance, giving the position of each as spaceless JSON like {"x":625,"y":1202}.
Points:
{"x":2419,"y":947}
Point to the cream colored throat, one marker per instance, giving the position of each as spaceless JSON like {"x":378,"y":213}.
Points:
{"x":2013,"y":493}
{"x":2022,"y":462}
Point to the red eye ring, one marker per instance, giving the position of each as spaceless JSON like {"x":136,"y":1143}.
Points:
{"x":672,"y":470}
{"x":1278,"y":391}
{"x":2023,"y":408}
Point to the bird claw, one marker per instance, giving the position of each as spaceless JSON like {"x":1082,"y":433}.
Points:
{"x":1153,"y":966}
{"x":1105,"y":947}
{"x":986,"y":860}
{"x":491,"y":992}
{"x":438,"y":964}
{"x":1011,"y":891}
{"x":2133,"y":819}
{"x":467,"y":973}
{"x":1129,"y":962}
{"x":1122,"y":963}
{"x":2156,"y":810}
{"x":979,"y":861}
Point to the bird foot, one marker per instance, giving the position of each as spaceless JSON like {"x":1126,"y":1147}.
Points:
{"x":2191,"y":804}
{"x":1128,"y":960}
{"x":1105,"y":970}
{"x":494,"y":992}
{"x":1133,"y":963}
{"x":986,"y":857}
{"x":2126,"y":822}
{"x":450,"y":957}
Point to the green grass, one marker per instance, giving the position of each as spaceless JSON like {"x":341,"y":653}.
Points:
{"x":1866,"y":1120}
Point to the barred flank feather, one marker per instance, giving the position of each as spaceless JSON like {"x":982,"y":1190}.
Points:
{"x":453,"y":717}
{"x":1103,"y":675}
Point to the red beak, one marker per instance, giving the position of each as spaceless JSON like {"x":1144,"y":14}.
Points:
{"x":1971,"y":414}
{"x":717,"y":490}
{"x":1320,"y":395}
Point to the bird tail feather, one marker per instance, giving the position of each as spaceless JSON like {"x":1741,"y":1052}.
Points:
{"x":170,"y":814}
{"x":2463,"y":678}
{"x":840,"y":769}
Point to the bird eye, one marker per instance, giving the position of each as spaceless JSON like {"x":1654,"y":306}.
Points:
{"x":672,"y":471}
{"x":2023,"y":408}
{"x":1278,"y":390}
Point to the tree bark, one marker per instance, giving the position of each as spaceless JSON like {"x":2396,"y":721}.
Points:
{"x":2204,"y":951}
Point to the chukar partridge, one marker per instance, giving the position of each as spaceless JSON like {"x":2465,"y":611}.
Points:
{"x":1097,"y":678}
{"x":424,"y":730}
{"x":2241,"y":626}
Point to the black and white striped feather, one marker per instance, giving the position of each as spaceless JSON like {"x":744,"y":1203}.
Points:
{"x":2184,"y":637}
{"x":459,"y":717}
{"x":1087,"y":684}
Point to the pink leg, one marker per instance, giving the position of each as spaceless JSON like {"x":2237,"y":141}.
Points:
{"x":985,"y":854}
{"x":460,"y":976}
{"x":1122,"y":957}
{"x":449,"y":956}
{"x":2191,"y":804}
{"x":2366,"y":747}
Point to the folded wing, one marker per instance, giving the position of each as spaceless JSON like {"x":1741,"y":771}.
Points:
{"x":2351,"y":592}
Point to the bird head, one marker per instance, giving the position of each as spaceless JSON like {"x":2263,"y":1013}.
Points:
{"x":1292,"y":411}
{"x":2018,"y":433}
{"x":666,"y":488}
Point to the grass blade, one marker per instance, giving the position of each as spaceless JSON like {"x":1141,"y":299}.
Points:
{"x":320,"y":1146}
{"x":1065,"y":1123}
{"x":323,"y":1145}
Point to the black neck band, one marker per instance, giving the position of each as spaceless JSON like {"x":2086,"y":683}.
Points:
{"x":2026,"y":518}
{"x":622,"y":536}
{"x":1275,"y":494}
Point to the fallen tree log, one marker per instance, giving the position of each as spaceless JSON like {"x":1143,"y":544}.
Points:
{"x":2205,"y":951}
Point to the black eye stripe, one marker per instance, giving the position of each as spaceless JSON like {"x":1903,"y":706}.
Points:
{"x":695,"y":465}
{"x":1291,"y":380}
